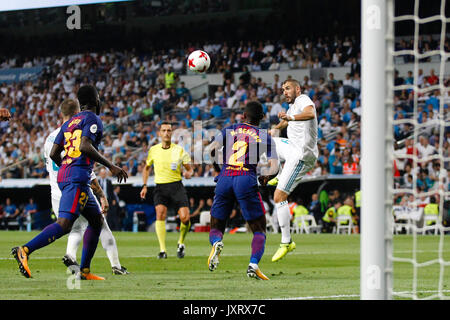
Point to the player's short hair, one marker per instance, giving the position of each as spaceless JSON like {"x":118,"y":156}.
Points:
{"x":254,"y":111}
{"x":69,"y":107}
{"x":292,"y":81}
{"x":165,"y":123}
{"x":87,"y":95}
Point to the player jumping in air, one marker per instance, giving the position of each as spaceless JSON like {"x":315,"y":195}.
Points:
{"x":299,"y":152}
{"x":243,"y":144}
{"x":68,"y":109}
{"x":79,"y":138}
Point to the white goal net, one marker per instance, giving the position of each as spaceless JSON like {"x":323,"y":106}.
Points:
{"x":420,"y":121}
{"x":413,"y":124}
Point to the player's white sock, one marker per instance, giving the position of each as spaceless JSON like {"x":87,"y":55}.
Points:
{"x":109,"y":244}
{"x":73,"y":242}
{"x":284,"y":220}
{"x":253,"y":265}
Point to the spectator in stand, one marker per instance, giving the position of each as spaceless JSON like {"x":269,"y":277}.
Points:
{"x":335,"y":162}
{"x":30,"y":209}
{"x":329,"y":219}
{"x":133,"y":89}
{"x":350,"y":167}
{"x":195,"y":210}
{"x":348,"y":84}
{"x":355,"y":67}
{"x":314,"y":207}
{"x":432,"y":79}
{"x":182,"y":91}
{"x":276,"y":82}
{"x":424,"y":148}
{"x":244,"y":78}
{"x":341,"y":141}
{"x":11,"y":213}
{"x":182,"y":105}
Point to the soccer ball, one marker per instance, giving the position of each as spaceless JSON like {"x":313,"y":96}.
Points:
{"x":198,"y":61}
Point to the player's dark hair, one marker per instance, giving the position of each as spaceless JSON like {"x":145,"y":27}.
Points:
{"x":254,"y":111}
{"x":165,"y":122}
{"x":69,"y":107}
{"x":87,"y":96}
{"x":295,"y":82}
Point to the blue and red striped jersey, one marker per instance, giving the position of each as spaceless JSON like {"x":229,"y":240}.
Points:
{"x":243,"y":146}
{"x":76,"y":166}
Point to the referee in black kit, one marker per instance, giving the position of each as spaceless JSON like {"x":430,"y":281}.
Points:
{"x":167,"y":158}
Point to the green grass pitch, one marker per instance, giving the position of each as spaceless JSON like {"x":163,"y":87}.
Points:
{"x":323,"y":266}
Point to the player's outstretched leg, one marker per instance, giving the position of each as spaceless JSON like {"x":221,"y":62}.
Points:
{"x":215,"y":238}
{"x":284,"y":221}
{"x":73,"y":242}
{"x":258,"y":227}
{"x":109,"y":244}
{"x":21,"y":257}
{"x":90,"y":241}
{"x":282,"y":147}
{"x":48,"y":235}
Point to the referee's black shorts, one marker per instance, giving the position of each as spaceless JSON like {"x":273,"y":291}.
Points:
{"x":171,"y":193}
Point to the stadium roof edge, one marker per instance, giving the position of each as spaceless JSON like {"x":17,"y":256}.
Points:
{"x":32,"y":4}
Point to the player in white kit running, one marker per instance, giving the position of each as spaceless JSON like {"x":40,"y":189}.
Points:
{"x":299,"y":152}
{"x":68,"y":109}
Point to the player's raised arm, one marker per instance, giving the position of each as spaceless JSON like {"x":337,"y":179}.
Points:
{"x":216,"y":165}
{"x":270,"y":171}
{"x":87,"y":148}
{"x":308,"y":113}
{"x":215,"y":145}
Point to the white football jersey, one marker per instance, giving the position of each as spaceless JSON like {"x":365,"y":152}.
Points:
{"x":302,"y":135}
{"x":51,"y":166}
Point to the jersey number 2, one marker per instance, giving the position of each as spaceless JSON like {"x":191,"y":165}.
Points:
{"x":240,"y":148}
{"x":73,"y":141}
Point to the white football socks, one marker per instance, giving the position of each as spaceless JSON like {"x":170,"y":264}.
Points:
{"x":74,"y":240}
{"x":109,"y":244}
{"x":284,"y":220}
{"x":106,"y":237}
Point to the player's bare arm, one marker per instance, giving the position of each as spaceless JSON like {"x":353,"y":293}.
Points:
{"x":98,"y":191}
{"x":55,"y":154}
{"x":145,"y":174}
{"x":307,"y":114}
{"x":268,"y":172}
{"x":189,"y":170}
{"x":280,"y":126}
{"x":213,"y":146}
{"x":87,"y":148}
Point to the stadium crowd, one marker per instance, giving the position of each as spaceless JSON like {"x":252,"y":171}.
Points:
{"x":138,"y":92}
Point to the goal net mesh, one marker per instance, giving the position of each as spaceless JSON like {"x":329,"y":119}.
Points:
{"x":420,"y":61}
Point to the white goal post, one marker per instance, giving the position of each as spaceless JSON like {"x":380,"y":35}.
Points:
{"x":376,"y":134}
